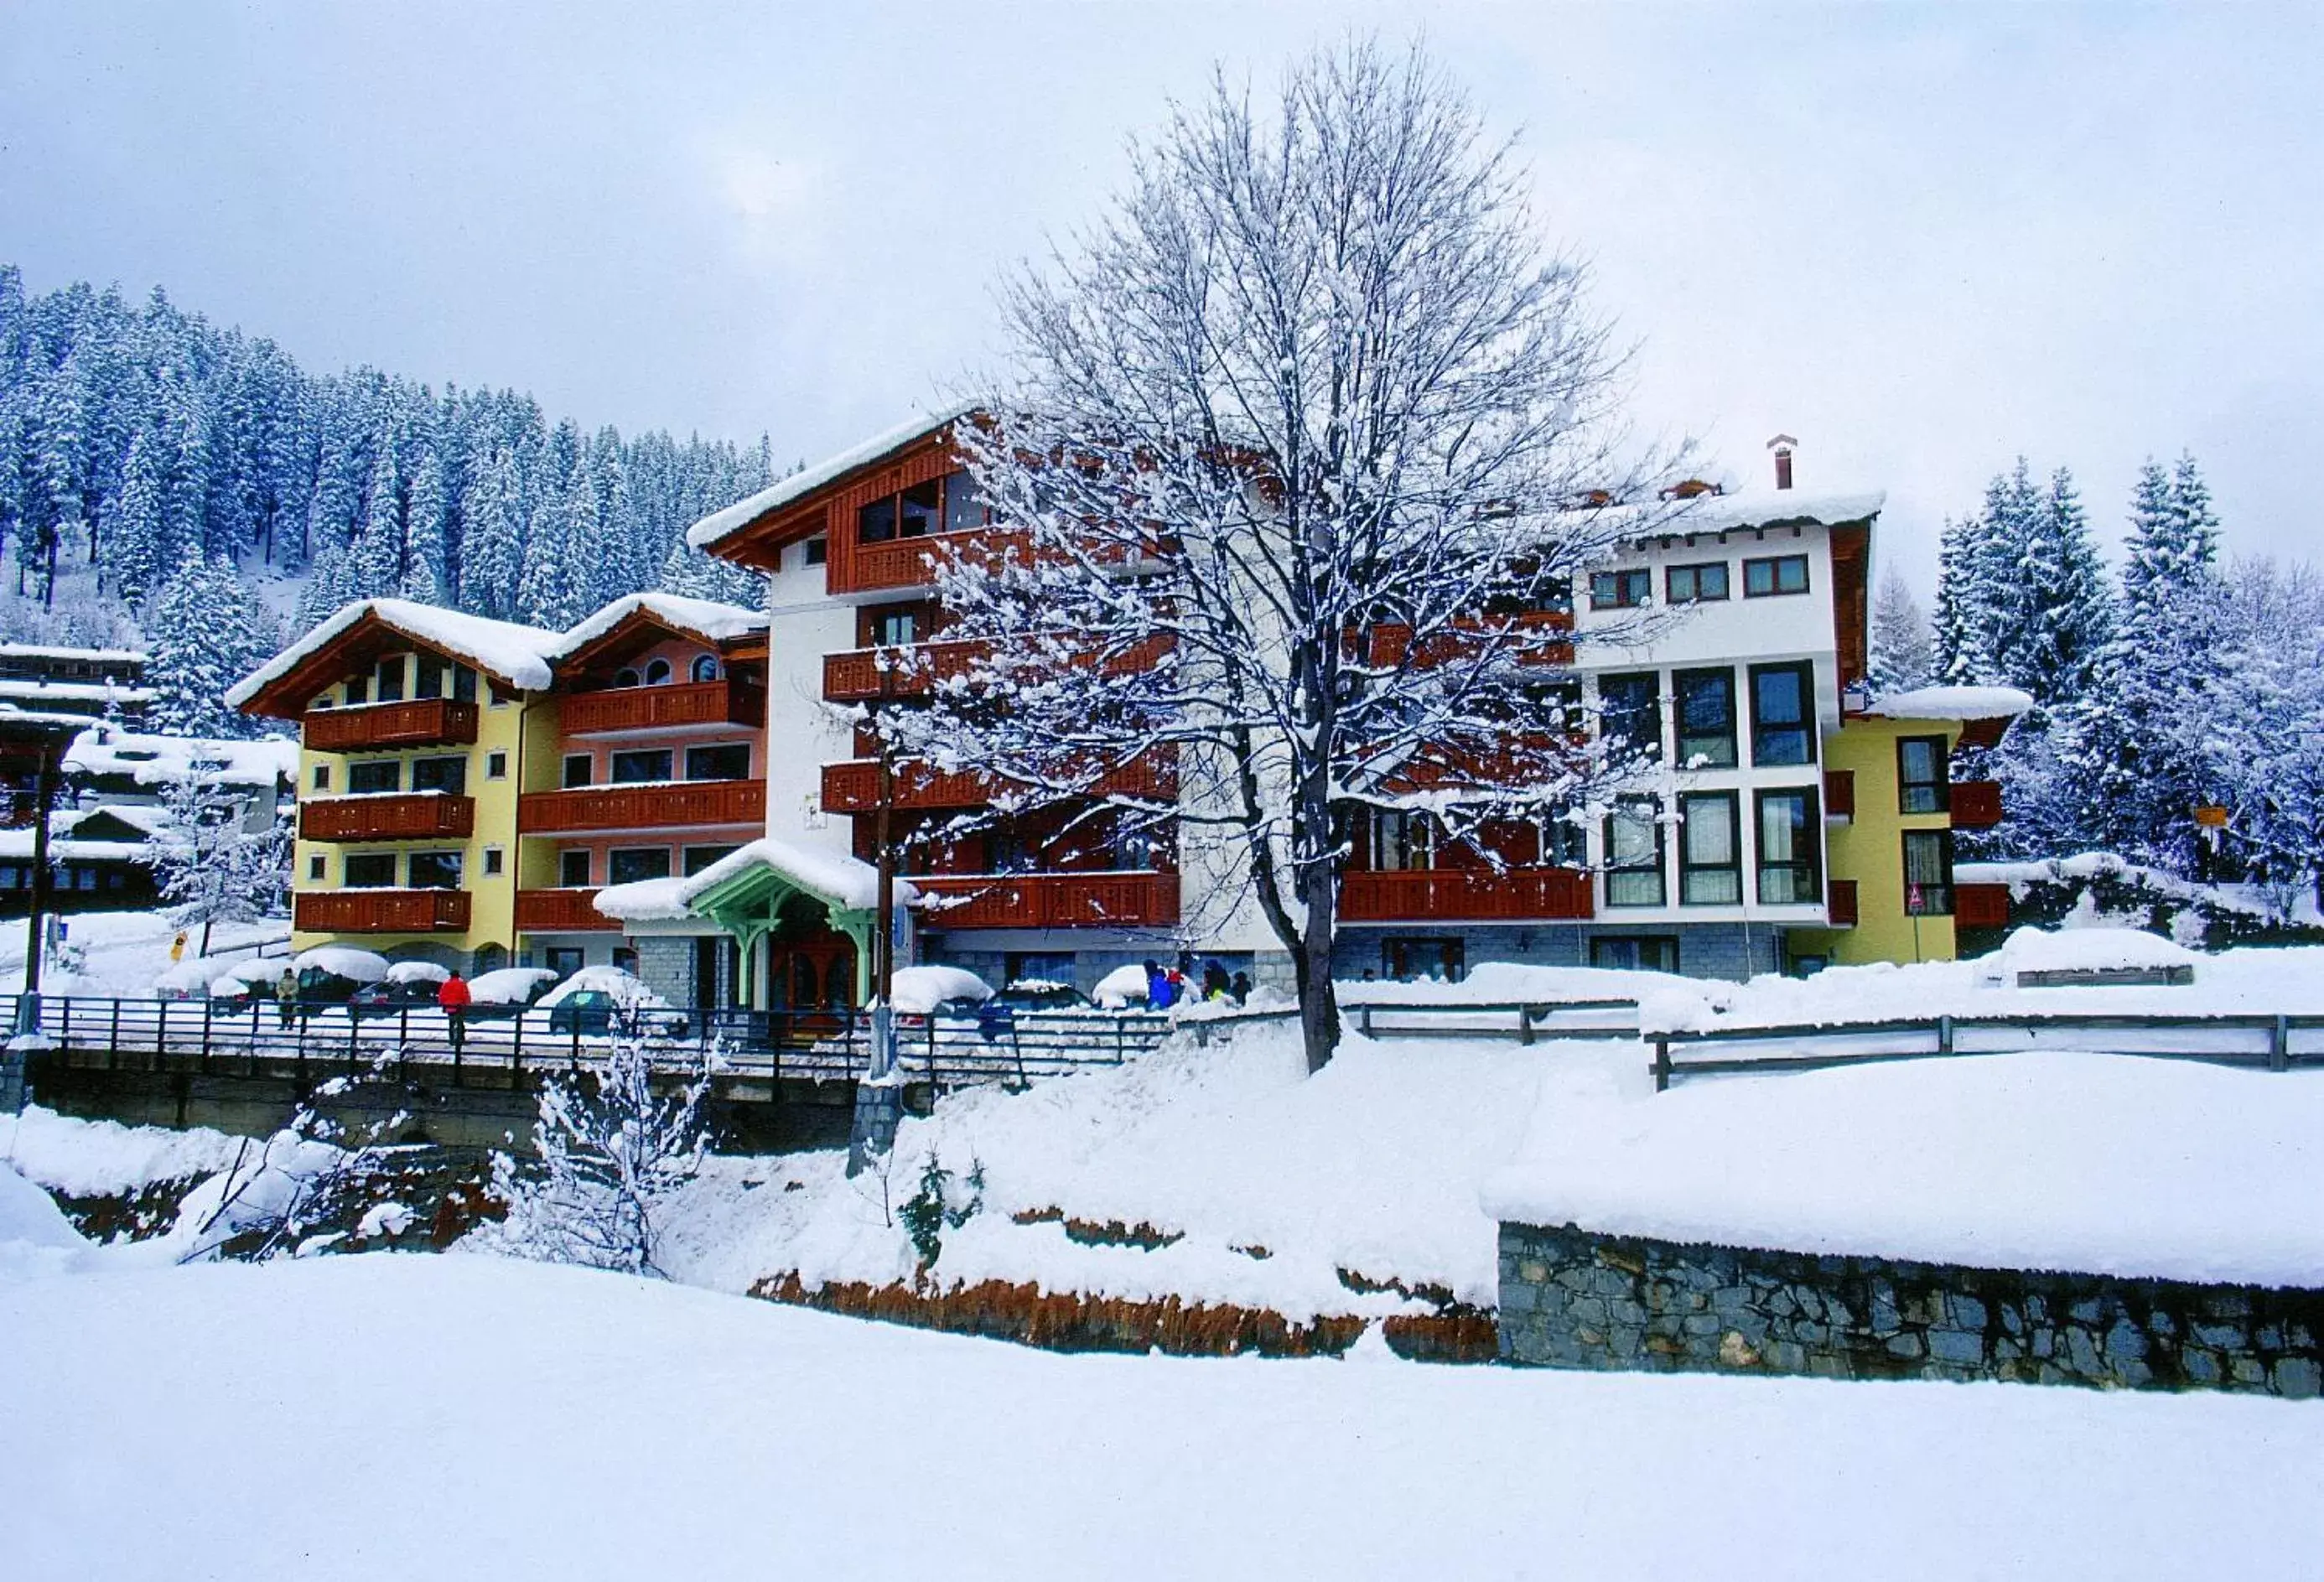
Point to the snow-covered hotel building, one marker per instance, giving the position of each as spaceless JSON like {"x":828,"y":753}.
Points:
{"x":676,"y":786}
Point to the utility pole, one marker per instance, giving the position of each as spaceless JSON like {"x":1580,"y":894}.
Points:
{"x":44,"y":798}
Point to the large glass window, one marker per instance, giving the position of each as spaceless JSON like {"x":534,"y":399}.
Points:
{"x":1631,"y":710}
{"x":893,"y":627}
{"x":641,"y":862}
{"x":434,"y":870}
{"x":1710,"y":856}
{"x":573,"y":869}
{"x":1790,"y":860}
{"x":1696,"y":584}
{"x":631,"y":768}
{"x":429,"y":679}
{"x":578,"y":770}
{"x":1928,"y":873}
{"x":1779,"y":574}
{"x":1437,"y":960}
{"x":389,"y":678}
{"x":1634,"y":854}
{"x":695,"y":859}
{"x":1922,"y":783}
{"x":876,"y":523}
{"x":963,"y":506}
{"x":1783,"y":715}
{"x":1620,"y":590}
{"x":1633,"y":952}
{"x":463,"y":685}
{"x":1403,"y":841}
{"x":447,"y":774}
{"x":369,"y":870}
{"x":729,"y":760}
{"x":1706,"y":718}
{"x":370,"y":780}
{"x":358,"y":691}
{"x":920,"y":509}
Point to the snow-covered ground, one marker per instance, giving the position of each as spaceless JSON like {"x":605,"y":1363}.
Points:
{"x":394,"y":1416}
{"x":120,"y":953}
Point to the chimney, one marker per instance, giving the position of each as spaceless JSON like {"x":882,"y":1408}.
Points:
{"x":1783,"y":444}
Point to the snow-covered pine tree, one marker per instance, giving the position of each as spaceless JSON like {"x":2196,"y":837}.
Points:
{"x":206,"y":630}
{"x":136,"y":529}
{"x":424,"y":512}
{"x":1960,"y":632}
{"x":492,"y":542}
{"x":210,"y":865}
{"x":1333,"y":486}
{"x":1902,"y":655}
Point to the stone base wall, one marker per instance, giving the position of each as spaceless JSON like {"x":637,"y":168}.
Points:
{"x":1577,"y":1299}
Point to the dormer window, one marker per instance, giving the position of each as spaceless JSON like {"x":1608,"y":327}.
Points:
{"x":949,"y":504}
{"x":706,"y":667}
{"x":658,"y":672}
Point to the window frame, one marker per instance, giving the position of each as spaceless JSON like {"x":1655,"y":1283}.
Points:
{"x":1805,"y":671}
{"x":442,"y":763}
{"x":321,"y":777}
{"x":1634,"y":809}
{"x":357,"y":772}
{"x":457,"y":862}
{"x":1775,"y":564}
{"x":1695,"y":595}
{"x":742,"y":747}
{"x":1624,"y":588}
{"x":319,"y":868}
{"x":1652,"y":747}
{"x":1639,"y":943}
{"x":1688,"y":867}
{"x":614,"y":777}
{"x":1940,"y":799}
{"x":1416,"y":839}
{"x":495,"y":862}
{"x":565,"y":879}
{"x":1807,"y":872}
{"x":1734,"y":746}
{"x":354,"y":864}
{"x":496,"y":764}
{"x":1942,"y":839}
{"x":613,"y":859}
{"x":587,"y":762}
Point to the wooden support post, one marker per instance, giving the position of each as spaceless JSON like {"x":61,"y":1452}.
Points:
{"x":206,"y":1038}
{"x":113,"y":1042}
{"x":1945,"y":1034}
{"x":2279,"y":1045}
{"x":160,"y":1031}
{"x":1525,"y":1025}
{"x":1364,"y":1020}
{"x":1662,"y":1065}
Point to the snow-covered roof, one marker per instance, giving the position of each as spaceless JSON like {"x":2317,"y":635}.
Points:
{"x":15,"y":714}
{"x":918,"y":990}
{"x":1952,"y":702}
{"x":16,"y":846}
{"x":75,"y":691}
{"x":842,"y":880}
{"x":705,"y":617}
{"x":517,"y":655}
{"x":645,"y":900}
{"x":95,"y":655}
{"x":1753,"y":508}
{"x":722,"y":524}
{"x":151,"y":759}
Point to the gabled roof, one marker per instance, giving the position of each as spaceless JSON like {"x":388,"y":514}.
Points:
{"x":730,"y":525}
{"x":151,"y":759}
{"x":720,"y":626}
{"x":514,"y":656}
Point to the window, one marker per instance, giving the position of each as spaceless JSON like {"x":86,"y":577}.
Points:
{"x":892,"y":627}
{"x":578,"y":770}
{"x":876,"y":523}
{"x":501,"y":698}
{"x":1709,"y":857}
{"x":319,"y":868}
{"x":1564,"y":843}
{"x":390,"y":680}
{"x":1928,"y":873}
{"x":1631,"y":710}
{"x":631,"y":768}
{"x":625,"y":678}
{"x":563,"y":959}
{"x":358,"y":691}
{"x":463,"y":685}
{"x":573,"y":869}
{"x":728,"y":760}
{"x":1656,"y":952}
{"x":625,"y":960}
{"x":1783,"y":699}
{"x":1620,"y":590}
{"x":920,"y":509}
{"x":1696,"y":584}
{"x":703,"y":668}
{"x":963,"y":507}
{"x":1006,"y":852}
{"x":368,"y":870}
{"x":1778,"y":573}
{"x":447,"y":774}
{"x":641,"y":862}
{"x":1923,"y":784}
{"x":695,"y":859}
{"x":1402,"y":842}
{"x":428,"y":682}
{"x":1706,"y":718}
{"x":495,"y":860}
{"x":815,"y":551}
{"x":496,"y":765}
{"x":322,"y":777}
{"x":434,"y":870}
{"x":1439,"y":960}
{"x":1790,"y":874}
{"x":659,"y":672}
{"x":1634,"y":854}
{"x":369,"y":779}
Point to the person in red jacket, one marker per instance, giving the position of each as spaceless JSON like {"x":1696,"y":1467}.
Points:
{"x":452,"y":998}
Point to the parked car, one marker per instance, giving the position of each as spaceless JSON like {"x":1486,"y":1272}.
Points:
{"x":597,"y":1000}
{"x":329,"y":975}
{"x":1040,"y":994}
{"x":392,"y":997}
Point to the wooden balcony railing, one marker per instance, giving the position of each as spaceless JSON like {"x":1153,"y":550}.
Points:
{"x":560,"y":912}
{"x":1392,"y":642}
{"x":1840,"y":902}
{"x":854,"y":786}
{"x":1839,"y":795}
{"x":1050,"y":900}
{"x":910,"y":563}
{"x":433,"y":721}
{"x":380,"y":911}
{"x":1980,"y":906}
{"x":728,"y":701}
{"x":1465,"y":895}
{"x":416,"y":816}
{"x":680,"y":804}
{"x":1976,"y":805}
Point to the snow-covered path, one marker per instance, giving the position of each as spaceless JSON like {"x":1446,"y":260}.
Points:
{"x":399,"y":1416}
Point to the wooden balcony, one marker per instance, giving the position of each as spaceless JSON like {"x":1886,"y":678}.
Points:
{"x":680,"y":804}
{"x":1976,"y":805}
{"x":1980,"y":906}
{"x":417,"y":816}
{"x":561,"y":912}
{"x":1839,"y":795}
{"x":1051,"y":900}
{"x":1840,"y":902}
{"x":854,"y":787}
{"x":432,"y":721}
{"x":618,"y":709}
{"x":1453,"y":895}
{"x":911,"y":563}
{"x":1391,"y":643}
{"x":380,"y":911}
{"x":860,"y":675}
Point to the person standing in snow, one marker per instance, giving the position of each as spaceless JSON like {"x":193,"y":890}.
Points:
{"x":286,"y":994}
{"x":1158,"y":995}
{"x":1215,"y":982}
{"x":1240,"y":989}
{"x":452,"y":999}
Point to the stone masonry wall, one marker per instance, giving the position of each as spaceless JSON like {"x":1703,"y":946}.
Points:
{"x":1571,"y":1298}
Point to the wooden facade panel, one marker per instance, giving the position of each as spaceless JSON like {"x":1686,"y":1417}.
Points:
{"x":380,"y":911}
{"x":1467,"y":895}
{"x":1840,"y":904}
{"x":421,"y":723}
{"x":683,"y":805}
{"x":1976,"y":805}
{"x":726,"y":702}
{"x":561,"y":912}
{"x":1051,"y":900}
{"x":423,"y":816}
{"x":1980,"y":906}
{"x":854,"y":787}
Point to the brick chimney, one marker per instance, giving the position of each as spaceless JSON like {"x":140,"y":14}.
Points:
{"x":1783,"y":444}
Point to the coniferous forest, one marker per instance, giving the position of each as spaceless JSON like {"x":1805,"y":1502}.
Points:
{"x":194,"y":491}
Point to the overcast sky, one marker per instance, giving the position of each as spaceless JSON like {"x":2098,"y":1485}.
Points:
{"x":1923,"y":239}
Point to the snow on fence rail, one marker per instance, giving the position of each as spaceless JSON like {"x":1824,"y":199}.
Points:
{"x":2276,"y":1042}
{"x":1525,"y":1021}
{"x":215,"y":1037}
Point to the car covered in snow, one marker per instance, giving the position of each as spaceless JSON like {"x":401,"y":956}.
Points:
{"x":1039,"y":994}
{"x":329,"y":975}
{"x":599,"y":1000}
{"x":503,"y":993}
{"x":408,"y":985}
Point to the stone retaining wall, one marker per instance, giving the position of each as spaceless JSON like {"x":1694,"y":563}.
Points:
{"x":1577,"y":1299}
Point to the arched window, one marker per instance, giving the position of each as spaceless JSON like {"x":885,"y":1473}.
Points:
{"x":658,"y":672}
{"x":625,"y":678}
{"x":491,"y":958}
{"x":706,"y":667}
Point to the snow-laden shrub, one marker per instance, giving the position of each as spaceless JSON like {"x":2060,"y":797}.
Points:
{"x":945,"y":1201}
{"x":277,"y":1190}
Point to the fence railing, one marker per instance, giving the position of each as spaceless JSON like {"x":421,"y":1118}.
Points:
{"x":497,"y":1048}
{"x":1523,"y":1021}
{"x":2276,"y":1042}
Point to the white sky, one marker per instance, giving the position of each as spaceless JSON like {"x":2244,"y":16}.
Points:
{"x":1921,"y":238}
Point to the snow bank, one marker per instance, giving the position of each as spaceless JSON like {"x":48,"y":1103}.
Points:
{"x":2093,"y":1164}
{"x":1122,"y":988}
{"x":1510,"y":982}
{"x":644,"y":900}
{"x":89,"y":1158}
{"x":2033,"y":950}
{"x":629,"y":991}
{"x":28,"y":1216}
{"x":920,"y":990}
